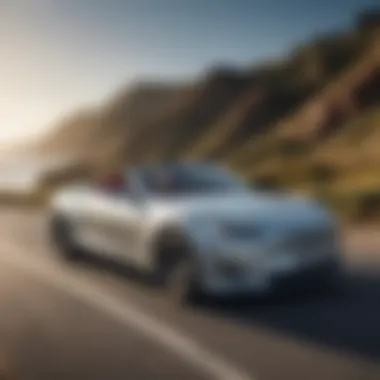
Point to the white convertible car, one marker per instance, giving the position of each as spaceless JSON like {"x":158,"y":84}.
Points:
{"x":199,"y":230}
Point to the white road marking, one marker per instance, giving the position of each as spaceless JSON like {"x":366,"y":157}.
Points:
{"x":127,"y":314}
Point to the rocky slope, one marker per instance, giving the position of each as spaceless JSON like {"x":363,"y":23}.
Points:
{"x":294,"y":122}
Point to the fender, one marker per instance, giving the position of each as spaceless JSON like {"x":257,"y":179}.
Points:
{"x":171,"y":235}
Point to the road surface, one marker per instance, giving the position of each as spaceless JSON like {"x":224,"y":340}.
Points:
{"x":90,"y":322}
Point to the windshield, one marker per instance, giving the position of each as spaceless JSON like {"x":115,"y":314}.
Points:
{"x":188,"y":179}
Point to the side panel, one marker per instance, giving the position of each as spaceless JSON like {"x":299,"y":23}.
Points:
{"x":121,"y":224}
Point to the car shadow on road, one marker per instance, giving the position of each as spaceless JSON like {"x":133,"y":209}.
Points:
{"x":348,"y":320}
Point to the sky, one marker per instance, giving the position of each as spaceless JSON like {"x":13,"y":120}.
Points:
{"x":58,"y":55}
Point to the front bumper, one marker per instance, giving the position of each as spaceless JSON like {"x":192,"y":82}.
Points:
{"x":259,"y":282}
{"x":322,"y":274}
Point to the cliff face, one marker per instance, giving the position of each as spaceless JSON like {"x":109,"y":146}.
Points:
{"x":313,"y":88}
{"x":278,"y":119}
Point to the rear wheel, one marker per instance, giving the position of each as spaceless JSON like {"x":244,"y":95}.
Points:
{"x":63,"y":239}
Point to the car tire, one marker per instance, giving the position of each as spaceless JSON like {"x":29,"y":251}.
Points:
{"x":178,"y":275}
{"x":62,"y":238}
{"x":182,"y":283}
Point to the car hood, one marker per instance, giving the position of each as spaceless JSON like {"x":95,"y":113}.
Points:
{"x":251,"y":206}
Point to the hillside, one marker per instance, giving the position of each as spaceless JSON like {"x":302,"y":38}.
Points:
{"x":283,"y":122}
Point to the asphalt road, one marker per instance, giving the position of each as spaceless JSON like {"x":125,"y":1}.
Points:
{"x":95,"y":322}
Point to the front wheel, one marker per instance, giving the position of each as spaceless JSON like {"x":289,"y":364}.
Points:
{"x":182,"y":283}
{"x":180,"y":278}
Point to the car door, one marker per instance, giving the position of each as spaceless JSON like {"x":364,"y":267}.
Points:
{"x":120,"y":221}
{"x":89,"y":223}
